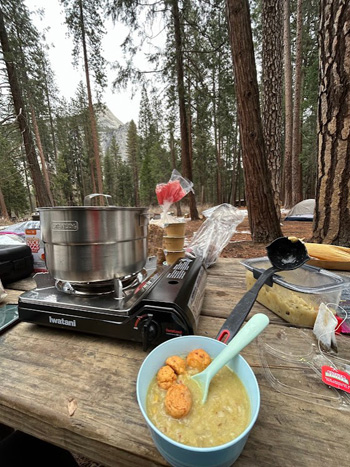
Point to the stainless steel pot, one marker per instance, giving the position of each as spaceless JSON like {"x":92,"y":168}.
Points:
{"x":92,"y":243}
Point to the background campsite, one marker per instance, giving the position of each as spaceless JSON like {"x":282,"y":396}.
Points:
{"x":251,"y":119}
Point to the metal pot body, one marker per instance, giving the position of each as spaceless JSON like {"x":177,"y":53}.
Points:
{"x":86,"y":244}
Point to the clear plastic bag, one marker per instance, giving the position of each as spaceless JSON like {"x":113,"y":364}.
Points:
{"x":173,"y":191}
{"x":215,"y":233}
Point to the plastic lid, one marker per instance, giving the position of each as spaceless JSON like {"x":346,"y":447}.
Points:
{"x":292,"y":363}
{"x":306,"y":279}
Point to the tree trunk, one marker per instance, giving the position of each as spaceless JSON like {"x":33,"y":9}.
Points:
{"x":3,"y":208}
{"x":92,"y":171}
{"x":235,"y":167}
{"x":217,"y":147}
{"x":185,"y":140}
{"x":48,"y":100}
{"x":296,"y":147}
{"x":263,"y":220}
{"x":91,"y":108}
{"x":288,"y":110}
{"x":42,"y":195}
{"x":272,"y":90}
{"x":41,"y":154}
{"x":332,"y":212}
{"x":27,"y":179}
{"x":173,"y":165}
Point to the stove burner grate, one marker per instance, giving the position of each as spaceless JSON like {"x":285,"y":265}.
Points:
{"x":118,"y":286}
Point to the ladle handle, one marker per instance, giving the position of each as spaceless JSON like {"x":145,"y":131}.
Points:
{"x":239,"y":313}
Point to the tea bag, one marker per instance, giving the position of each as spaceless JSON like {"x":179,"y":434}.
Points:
{"x":324,"y":328}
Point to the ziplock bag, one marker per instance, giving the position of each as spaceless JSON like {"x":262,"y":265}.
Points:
{"x":215,"y":233}
{"x":176,"y":189}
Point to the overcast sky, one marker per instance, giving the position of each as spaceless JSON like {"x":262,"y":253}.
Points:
{"x":60,"y":55}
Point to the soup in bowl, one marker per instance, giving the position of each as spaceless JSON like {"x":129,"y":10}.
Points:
{"x":211,"y":434}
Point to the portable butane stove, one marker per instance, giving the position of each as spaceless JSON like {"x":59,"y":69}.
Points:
{"x":151,"y":306}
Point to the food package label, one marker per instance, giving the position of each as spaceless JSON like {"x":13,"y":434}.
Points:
{"x":336,"y":378}
{"x":33,"y":240}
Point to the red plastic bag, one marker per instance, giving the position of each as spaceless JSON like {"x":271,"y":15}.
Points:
{"x":173,"y":191}
{"x":170,"y":192}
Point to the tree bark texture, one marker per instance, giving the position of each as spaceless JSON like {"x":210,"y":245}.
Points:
{"x":263,"y":220}
{"x":48,"y":100}
{"x":332,"y":212}
{"x":288,"y":109}
{"x":296,"y":147}
{"x":272,"y":57}
{"x":42,"y":196}
{"x":3,"y":208}
{"x":91,"y":108}
{"x":219,"y":196}
{"x":185,"y":140}
{"x":41,"y":154}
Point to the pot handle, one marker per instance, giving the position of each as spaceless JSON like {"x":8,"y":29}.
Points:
{"x":144,"y":219}
{"x":88,"y":198}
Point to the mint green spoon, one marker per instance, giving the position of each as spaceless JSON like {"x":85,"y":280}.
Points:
{"x":249,"y":332}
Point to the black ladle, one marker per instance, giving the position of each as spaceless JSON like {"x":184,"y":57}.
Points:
{"x":284,"y":254}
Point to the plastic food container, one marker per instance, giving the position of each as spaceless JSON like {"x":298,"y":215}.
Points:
{"x":176,"y":229}
{"x":296,"y":295}
{"x":172,"y":256}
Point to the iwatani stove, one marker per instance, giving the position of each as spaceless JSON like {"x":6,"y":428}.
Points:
{"x":156,"y":304}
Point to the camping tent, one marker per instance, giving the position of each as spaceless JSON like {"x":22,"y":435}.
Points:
{"x":303,"y":211}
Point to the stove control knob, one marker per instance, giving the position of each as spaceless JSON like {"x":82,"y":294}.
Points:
{"x":150,"y":331}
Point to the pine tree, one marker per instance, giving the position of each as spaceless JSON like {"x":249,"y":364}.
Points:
{"x":133,"y":159}
{"x":14,"y":196}
{"x":332,"y":213}
{"x":154,"y":158}
{"x":262,"y":214}
{"x":8,"y":46}
{"x":272,"y":92}
{"x":85,"y":25}
{"x":111,"y":165}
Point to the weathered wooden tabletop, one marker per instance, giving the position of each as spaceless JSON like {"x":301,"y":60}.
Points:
{"x":78,"y":391}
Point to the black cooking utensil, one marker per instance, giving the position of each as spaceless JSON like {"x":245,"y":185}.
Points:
{"x":284,"y":254}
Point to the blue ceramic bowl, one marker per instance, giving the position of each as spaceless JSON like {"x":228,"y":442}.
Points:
{"x":180,"y":455}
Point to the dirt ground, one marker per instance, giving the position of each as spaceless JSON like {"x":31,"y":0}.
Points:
{"x":241,"y":244}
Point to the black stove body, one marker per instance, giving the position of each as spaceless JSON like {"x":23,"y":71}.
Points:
{"x":166,"y":304}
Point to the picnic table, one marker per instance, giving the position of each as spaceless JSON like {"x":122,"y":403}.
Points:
{"x":78,"y":391}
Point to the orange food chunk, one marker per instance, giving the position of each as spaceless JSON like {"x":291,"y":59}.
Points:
{"x":178,"y":364}
{"x":178,"y":400}
{"x":166,"y":376}
{"x":199,"y":359}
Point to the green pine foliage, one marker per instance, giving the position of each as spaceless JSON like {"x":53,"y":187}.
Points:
{"x":154,"y":143}
{"x":118,"y":180}
{"x":155,"y":166}
{"x":12,"y":181}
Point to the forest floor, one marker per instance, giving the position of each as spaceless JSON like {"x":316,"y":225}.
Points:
{"x":241,"y":244}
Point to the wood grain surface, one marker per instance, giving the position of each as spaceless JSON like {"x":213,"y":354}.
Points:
{"x":79,"y":391}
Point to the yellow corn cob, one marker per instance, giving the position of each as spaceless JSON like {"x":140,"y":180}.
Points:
{"x":328,"y":252}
